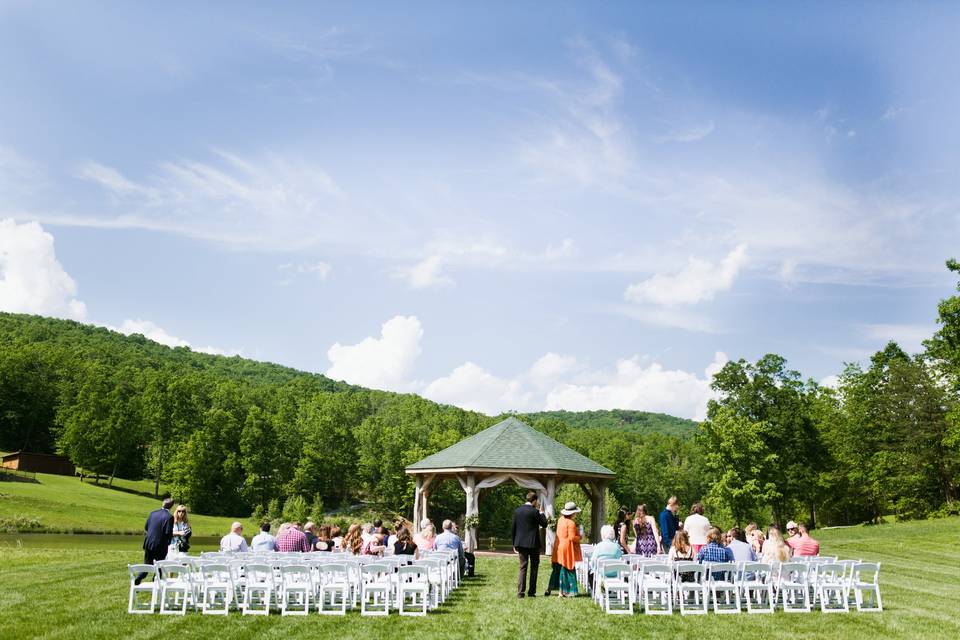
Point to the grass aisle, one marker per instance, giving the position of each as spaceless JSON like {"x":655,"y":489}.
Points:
{"x":81,"y":593}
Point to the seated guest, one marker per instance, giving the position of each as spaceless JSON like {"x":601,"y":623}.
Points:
{"x":292,"y":539}
{"x":374,"y":546}
{"x":802,"y":544}
{"x":310,"y":530}
{"x":353,"y":541}
{"x":324,"y":540}
{"x":607,"y":549}
{"x":233,"y":541}
{"x":742,"y":551}
{"x":336,"y":536}
{"x":450,"y":541}
{"x":366,"y":533}
{"x":680,"y":550}
{"x":774,"y":548}
{"x":404,"y":545}
{"x":427,"y":538}
{"x":263,"y":541}
{"x":713,"y":551}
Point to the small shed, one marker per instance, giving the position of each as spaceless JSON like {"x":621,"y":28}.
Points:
{"x":38,"y":463}
{"x":511,"y":450}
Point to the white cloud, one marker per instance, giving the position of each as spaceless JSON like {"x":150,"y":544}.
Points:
{"x":380,"y":363}
{"x":472,"y":387}
{"x":425,"y":274}
{"x":910,"y":337}
{"x":319,"y":270}
{"x":150,"y":330}
{"x":832,"y":381}
{"x":551,"y":367}
{"x":32,"y":280}
{"x":647,"y":387}
{"x":698,"y":281}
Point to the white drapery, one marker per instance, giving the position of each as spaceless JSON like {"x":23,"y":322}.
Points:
{"x":472,"y":490}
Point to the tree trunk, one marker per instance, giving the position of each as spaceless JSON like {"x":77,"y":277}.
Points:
{"x":156,"y":482}
{"x":813,"y":516}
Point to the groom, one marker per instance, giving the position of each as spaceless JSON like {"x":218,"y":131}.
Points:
{"x":527,"y":520}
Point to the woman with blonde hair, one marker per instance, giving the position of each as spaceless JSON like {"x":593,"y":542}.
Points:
{"x":775,"y":549}
{"x":181,"y":530}
{"x":426,"y":540}
{"x":645,"y":529}
{"x":352,"y":542}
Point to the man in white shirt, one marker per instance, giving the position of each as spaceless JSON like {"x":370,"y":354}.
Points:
{"x":742,"y":551}
{"x":264,"y":541}
{"x":697,"y":527}
{"x":234,"y":541}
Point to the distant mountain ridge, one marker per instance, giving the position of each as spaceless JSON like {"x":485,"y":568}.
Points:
{"x":641,"y":422}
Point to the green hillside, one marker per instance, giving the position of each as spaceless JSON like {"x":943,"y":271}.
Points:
{"x":641,"y":422}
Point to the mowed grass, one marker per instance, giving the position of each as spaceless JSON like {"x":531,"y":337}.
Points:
{"x":64,"y":504}
{"x":80,"y":591}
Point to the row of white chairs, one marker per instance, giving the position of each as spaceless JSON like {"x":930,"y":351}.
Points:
{"x":659,"y":587}
{"x":293,"y":583}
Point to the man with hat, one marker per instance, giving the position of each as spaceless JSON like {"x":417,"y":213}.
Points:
{"x":528,"y":518}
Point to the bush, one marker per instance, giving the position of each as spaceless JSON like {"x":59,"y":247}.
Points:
{"x":295,"y":509}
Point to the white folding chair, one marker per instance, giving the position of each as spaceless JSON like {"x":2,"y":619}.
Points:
{"x":176,"y":588}
{"x":616,"y":589}
{"x":259,"y":589}
{"x":657,"y":588}
{"x":691,"y":588}
{"x":724,"y":587}
{"x":375,"y":586}
{"x":296,"y":590}
{"x":866,"y":582}
{"x":794,"y":587}
{"x":832,"y":587}
{"x":756,"y":585}
{"x":333,"y":589}
{"x":413,"y":582}
{"x":217,"y":587}
{"x":135,"y":605}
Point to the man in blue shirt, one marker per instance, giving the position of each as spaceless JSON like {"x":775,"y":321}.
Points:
{"x":669,"y":522}
{"x":450,"y":541}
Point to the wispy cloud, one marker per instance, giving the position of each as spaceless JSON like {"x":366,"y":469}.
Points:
{"x":698,"y":281}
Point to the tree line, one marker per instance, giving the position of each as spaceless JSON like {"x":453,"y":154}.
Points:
{"x":231,"y":436}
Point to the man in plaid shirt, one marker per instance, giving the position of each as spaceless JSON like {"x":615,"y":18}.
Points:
{"x":713,"y":551}
{"x":293,"y":539}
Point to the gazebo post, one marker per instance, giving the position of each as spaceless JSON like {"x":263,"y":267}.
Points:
{"x":417,"y":507}
{"x":598,"y":511}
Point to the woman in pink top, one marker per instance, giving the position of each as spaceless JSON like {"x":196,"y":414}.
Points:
{"x":697,"y":526}
{"x":426,"y":540}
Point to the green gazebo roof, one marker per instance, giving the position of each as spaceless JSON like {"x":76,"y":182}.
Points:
{"x":510,"y":445}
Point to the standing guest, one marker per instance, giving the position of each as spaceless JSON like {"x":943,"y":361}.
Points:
{"x":310,"y":530}
{"x":404,"y":545}
{"x":158,"y":532}
{"x":607,"y":549}
{"x":645,"y":529}
{"x":264,"y":541}
{"x":427,"y":538}
{"x":528,"y":519}
{"x":553,"y":584}
{"x":324,"y":539}
{"x":713,"y":551}
{"x":697,"y":526}
{"x":181,"y":530}
{"x":802,"y":544}
{"x":353,"y":541}
{"x":669,"y":523}
{"x":680,"y":550}
{"x":568,"y":549}
{"x":620,"y":529}
{"x":774,"y":548}
{"x":450,"y":541}
{"x":233,"y":542}
{"x":742,"y":551}
{"x":336,"y":535}
{"x":292,"y":539}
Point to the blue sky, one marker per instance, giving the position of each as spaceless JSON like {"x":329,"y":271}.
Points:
{"x":498,"y":205}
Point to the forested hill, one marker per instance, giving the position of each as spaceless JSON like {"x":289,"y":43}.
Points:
{"x":229,"y":435}
{"x":622,"y":419}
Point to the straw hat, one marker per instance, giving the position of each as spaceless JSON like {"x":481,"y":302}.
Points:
{"x":569,"y":509}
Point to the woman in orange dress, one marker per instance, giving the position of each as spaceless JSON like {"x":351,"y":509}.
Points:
{"x":568,"y":549}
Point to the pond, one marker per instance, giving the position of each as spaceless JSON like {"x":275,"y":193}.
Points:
{"x":81,"y":540}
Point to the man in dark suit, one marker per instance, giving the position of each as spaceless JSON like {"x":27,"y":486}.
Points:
{"x":527,"y":520}
{"x":159,"y":533}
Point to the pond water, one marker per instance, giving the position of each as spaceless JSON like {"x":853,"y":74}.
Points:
{"x":82,"y":540}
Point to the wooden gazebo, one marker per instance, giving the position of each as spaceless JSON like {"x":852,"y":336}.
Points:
{"x":511,"y":450}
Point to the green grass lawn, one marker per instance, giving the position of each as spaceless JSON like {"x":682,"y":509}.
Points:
{"x":68,"y":588}
{"x":64,"y":504}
